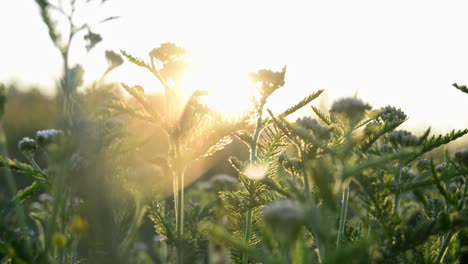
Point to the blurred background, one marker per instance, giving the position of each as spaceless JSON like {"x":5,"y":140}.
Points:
{"x":402,"y":54}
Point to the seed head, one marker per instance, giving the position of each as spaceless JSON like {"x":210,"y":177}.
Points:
{"x":27,"y":146}
{"x":350,"y":107}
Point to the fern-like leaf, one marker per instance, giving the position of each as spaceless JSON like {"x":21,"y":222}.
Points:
{"x":436,"y":141}
{"x":24,"y":168}
{"x":324,"y":117}
{"x":135,"y":60}
{"x":302,"y":103}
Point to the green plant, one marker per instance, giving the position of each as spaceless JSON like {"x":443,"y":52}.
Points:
{"x":342,"y":186}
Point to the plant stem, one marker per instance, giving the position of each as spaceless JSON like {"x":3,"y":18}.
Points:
{"x":11,"y":183}
{"x":253,"y":160}
{"x":397,"y":193}
{"x":443,"y":247}
{"x":344,"y":211}
{"x":247,"y":231}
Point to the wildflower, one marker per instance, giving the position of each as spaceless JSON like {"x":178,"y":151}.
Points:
{"x":351,"y":107}
{"x":285,"y":218}
{"x":27,"y":146}
{"x":92,"y":40}
{"x":77,"y":226}
{"x":462,"y":156}
{"x":172,"y":59}
{"x":402,"y":138}
{"x":48,"y":136}
{"x":114,"y":60}
{"x":313,"y":125}
{"x":59,"y":240}
{"x":270,"y":81}
{"x":167,"y":52}
{"x":391,"y":114}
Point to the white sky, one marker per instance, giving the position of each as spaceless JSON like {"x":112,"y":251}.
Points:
{"x":403,"y":53}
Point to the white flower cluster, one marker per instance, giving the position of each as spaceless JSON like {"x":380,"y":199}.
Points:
{"x":350,"y":107}
{"x":402,"y":138}
{"x":48,"y":136}
{"x":313,"y":125}
{"x":391,"y":114}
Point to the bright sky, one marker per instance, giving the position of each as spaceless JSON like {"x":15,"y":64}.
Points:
{"x":403,"y":53}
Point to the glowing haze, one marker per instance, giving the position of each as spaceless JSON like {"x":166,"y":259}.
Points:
{"x":403,"y":53}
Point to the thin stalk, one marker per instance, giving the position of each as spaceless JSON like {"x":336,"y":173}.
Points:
{"x":444,"y":247}
{"x":253,"y":147}
{"x":253,"y":160}
{"x":397,"y":192}
{"x":180,"y":203}
{"x":344,"y":211}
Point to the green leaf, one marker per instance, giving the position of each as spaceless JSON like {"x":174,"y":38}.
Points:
{"x":302,"y":103}
{"x":324,"y":117}
{"x":135,"y":60}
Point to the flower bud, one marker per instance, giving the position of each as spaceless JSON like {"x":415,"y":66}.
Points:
{"x":27,"y":146}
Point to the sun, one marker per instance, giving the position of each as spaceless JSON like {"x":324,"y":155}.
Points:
{"x":229,"y":90}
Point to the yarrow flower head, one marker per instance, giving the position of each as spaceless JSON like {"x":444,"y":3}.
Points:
{"x":172,"y":57}
{"x":285,"y":218}
{"x":114,"y":60}
{"x":27,"y":146}
{"x":313,"y":125}
{"x":402,"y":138}
{"x":167,"y":52}
{"x":391,"y":114}
{"x":462,"y":156}
{"x":350,"y":107}
{"x":269,"y":80}
{"x":48,"y":136}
